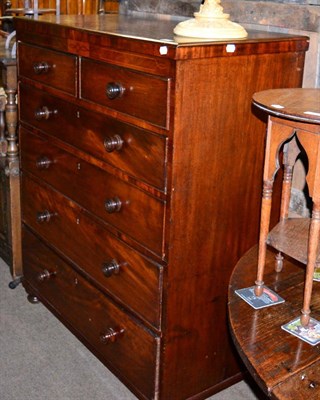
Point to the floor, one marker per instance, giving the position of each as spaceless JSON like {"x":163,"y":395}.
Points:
{"x":41,"y":360}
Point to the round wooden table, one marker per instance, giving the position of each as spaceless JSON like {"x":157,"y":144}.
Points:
{"x":292,"y":104}
{"x":284,"y":366}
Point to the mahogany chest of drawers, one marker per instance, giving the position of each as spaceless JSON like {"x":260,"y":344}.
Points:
{"x":140,"y":160}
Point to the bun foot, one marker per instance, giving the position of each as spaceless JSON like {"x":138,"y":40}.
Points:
{"x":33,"y":299}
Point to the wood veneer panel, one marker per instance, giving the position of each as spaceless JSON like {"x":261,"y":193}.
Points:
{"x":215,"y":200}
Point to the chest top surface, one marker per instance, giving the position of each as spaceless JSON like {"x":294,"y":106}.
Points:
{"x":144,"y":34}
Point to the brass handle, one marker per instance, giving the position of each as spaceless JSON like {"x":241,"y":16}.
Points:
{"x":45,"y":275}
{"x":45,"y":216}
{"x":114,"y":90}
{"x":110,"y":268}
{"x":113,"y":205}
{"x":43,"y":163}
{"x":44,"y":113}
{"x":111,"y":335}
{"x":112,"y":143}
{"x":41,"y":67}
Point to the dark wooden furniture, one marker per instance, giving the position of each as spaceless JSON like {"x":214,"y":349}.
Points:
{"x":10,"y":219}
{"x":66,"y":6}
{"x":31,"y":8}
{"x":294,"y":120}
{"x":140,"y":169}
{"x":284,"y":366}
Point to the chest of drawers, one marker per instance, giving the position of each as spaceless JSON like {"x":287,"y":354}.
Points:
{"x":140,"y":160}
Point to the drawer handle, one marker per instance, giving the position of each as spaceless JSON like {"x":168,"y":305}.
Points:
{"x":45,"y":275}
{"x":43,"y":163}
{"x":44,"y":113}
{"x":45,"y":216}
{"x":111,"y":335}
{"x":111,"y":268}
{"x":41,"y":67}
{"x":112,"y":143}
{"x":113,"y":205}
{"x":114,"y":90}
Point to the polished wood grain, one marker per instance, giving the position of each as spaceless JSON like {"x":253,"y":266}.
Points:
{"x":143,"y":96}
{"x":206,"y":218}
{"x":284,"y":366}
{"x":61,"y":72}
{"x":86,"y":37}
{"x":142,"y":153}
{"x":90,"y":246}
{"x":140,"y":216}
{"x":91,"y":315}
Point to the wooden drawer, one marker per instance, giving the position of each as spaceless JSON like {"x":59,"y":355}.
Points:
{"x":125,"y":346}
{"x":112,"y":265}
{"x":142,"y":154}
{"x":50,"y":67}
{"x":118,"y":203}
{"x":140,"y":95}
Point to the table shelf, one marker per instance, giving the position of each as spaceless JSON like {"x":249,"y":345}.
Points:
{"x":290,"y":237}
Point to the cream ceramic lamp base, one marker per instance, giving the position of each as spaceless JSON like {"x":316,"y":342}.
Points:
{"x":210,"y":23}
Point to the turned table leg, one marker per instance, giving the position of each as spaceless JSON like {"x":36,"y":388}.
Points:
{"x":3,"y":140}
{"x":13,"y":167}
{"x":314,"y":237}
{"x":290,"y":154}
{"x":277,"y":134}
{"x":264,"y":231}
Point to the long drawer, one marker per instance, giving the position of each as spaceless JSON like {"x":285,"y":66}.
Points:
{"x":123,"y":344}
{"x":132,"y":211}
{"x":141,"y":95}
{"x":112,"y":265}
{"x":49,"y":67}
{"x":135,"y":151}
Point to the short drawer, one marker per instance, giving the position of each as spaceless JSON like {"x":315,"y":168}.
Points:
{"x":135,"y":151}
{"x":140,"y":95}
{"x":128,"y":209}
{"x":130,"y":350}
{"x":112,"y":265}
{"x":49,"y":67}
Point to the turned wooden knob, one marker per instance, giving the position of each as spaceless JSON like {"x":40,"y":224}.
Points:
{"x":113,"y":205}
{"x":45,"y":275}
{"x":44,"y":113}
{"x":43,"y":163}
{"x":111,"y":268}
{"x":41,"y":67}
{"x":112,"y":143}
{"x":45,"y":216}
{"x":114,"y":90}
{"x":111,"y":335}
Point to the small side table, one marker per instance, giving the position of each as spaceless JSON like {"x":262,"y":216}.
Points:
{"x":294,"y":121}
{"x":284,"y":366}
